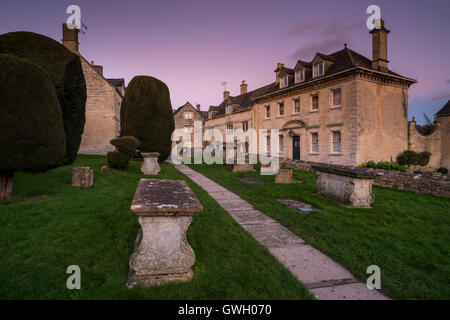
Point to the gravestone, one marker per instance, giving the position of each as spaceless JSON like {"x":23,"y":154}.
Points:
{"x":82,"y":177}
{"x":150,"y":164}
{"x":284,"y":176}
{"x":161,"y":253}
{"x":352,"y":186}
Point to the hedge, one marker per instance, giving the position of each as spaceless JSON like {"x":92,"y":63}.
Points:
{"x":64,"y":69}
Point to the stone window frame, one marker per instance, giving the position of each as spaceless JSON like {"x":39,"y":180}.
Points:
{"x":332,"y":90}
{"x":230,"y":128}
{"x":188,"y":115}
{"x":245,"y":126}
{"x":311,"y":151}
{"x":229,"y":109}
{"x":281,"y":104}
{"x":267,"y":110}
{"x":281,"y":143}
{"x":297,"y":78}
{"x":316,"y":69}
{"x":312,"y":102}
{"x":332,"y":141}
{"x":284,"y":82}
{"x":293,"y":105}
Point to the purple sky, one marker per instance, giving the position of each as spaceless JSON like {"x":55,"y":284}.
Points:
{"x":194,"y":46}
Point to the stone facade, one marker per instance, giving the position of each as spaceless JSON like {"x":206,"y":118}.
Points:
{"x":341,"y":108}
{"x":102,"y":105}
{"x":184,"y":118}
{"x":433,"y":138}
{"x":102,"y":112}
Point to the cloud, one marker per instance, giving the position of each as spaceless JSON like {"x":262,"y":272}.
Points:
{"x":441,"y":96}
{"x":319,"y":36}
{"x":447,"y":81}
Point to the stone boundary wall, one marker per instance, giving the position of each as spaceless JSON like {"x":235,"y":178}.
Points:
{"x":436,"y":184}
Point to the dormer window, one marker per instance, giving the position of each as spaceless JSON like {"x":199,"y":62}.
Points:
{"x":318,"y":69}
{"x":229,"y":109}
{"x":284,"y":82}
{"x":300,"y":76}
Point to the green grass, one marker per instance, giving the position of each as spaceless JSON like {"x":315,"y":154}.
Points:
{"x":48,"y":225}
{"x":407,"y":235}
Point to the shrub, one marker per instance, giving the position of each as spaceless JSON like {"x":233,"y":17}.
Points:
{"x":386,"y":165}
{"x":118,"y":160}
{"x":443,"y":170}
{"x":408,"y":157}
{"x":126,"y":144}
{"x":424,"y":158}
{"x":64,"y":69}
{"x":146,"y":114}
{"x":31,"y":125}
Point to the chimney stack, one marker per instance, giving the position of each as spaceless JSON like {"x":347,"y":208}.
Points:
{"x":379,"y":46}
{"x":243,"y":87}
{"x":198,"y":107}
{"x":277,"y":71}
{"x":70,"y":38}
{"x":226,"y":95}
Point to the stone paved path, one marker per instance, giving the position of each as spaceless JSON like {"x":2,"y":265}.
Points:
{"x":325,"y":278}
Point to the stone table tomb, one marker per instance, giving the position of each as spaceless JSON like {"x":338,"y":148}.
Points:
{"x":161,"y":253}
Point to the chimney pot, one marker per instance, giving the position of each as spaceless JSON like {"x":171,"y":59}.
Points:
{"x":70,"y":38}
{"x":278,"y":70}
{"x":243,"y":87}
{"x":198,"y":107}
{"x":379,"y":47}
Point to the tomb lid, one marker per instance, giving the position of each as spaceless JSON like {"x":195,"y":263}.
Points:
{"x":160,"y":197}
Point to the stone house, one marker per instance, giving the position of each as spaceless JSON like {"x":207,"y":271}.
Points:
{"x":433,"y":138}
{"x":184,"y":118}
{"x":340,"y":108}
{"x":104,"y":97}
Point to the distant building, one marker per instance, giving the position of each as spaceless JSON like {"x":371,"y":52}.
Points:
{"x":340,"y":108}
{"x":433,"y":138}
{"x":104,"y":97}
{"x":184,"y":118}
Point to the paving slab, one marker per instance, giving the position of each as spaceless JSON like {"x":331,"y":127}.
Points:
{"x":310,"y":265}
{"x":273,"y":235}
{"x":354,"y":291}
{"x":325,"y":278}
{"x":251,"y":217}
{"x":235,"y":205}
{"x":224,"y":195}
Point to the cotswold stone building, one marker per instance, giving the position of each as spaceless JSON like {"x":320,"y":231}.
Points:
{"x":340,"y":108}
{"x":184,"y":118}
{"x":433,"y":138}
{"x":104,"y":97}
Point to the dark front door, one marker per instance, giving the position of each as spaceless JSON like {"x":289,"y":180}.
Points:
{"x":296,"y":147}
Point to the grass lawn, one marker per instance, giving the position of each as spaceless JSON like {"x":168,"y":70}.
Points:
{"x":407,"y":235}
{"x":48,"y":225}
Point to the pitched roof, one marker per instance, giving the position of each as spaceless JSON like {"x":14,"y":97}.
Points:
{"x":119,"y":82}
{"x":445,"y":111}
{"x":204,"y":114}
{"x":343,"y":60}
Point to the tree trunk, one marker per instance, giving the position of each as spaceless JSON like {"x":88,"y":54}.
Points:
{"x":6,"y":185}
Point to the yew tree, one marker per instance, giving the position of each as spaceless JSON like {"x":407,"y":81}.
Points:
{"x":32,"y":137}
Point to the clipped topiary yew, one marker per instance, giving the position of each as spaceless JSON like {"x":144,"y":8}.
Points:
{"x":64,"y":69}
{"x":118,"y":160}
{"x":126,"y":144}
{"x":31,"y":126}
{"x":146,"y":114}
